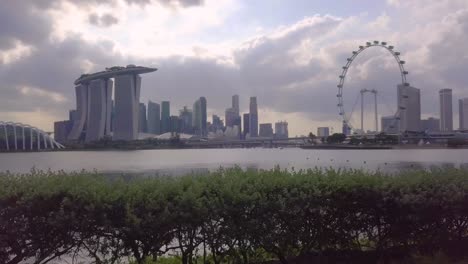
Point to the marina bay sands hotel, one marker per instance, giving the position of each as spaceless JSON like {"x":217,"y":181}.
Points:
{"x":94,"y":105}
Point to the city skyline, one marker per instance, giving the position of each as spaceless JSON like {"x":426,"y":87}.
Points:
{"x":289,"y":60}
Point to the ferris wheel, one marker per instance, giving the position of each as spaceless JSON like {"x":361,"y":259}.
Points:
{"x":397,"y":115}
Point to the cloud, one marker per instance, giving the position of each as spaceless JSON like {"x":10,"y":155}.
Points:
{"x":292,"y":69}
{"x":105,"y":20}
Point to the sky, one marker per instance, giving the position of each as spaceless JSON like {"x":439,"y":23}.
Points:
{"x":288,"y":54}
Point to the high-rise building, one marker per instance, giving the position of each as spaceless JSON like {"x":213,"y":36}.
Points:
{"x":431,"y":124}
{"x":199,"y":117}
{"x":235,"y":104}
{"x":174,"y":124}
{"x":323,"y":132}
{"x":389,"y":124}
{"x":99,"y":109}
{"x":217,"y":124}
{"x":246,"y":120}
{"x":463,"y":113}
{"x":142,"y":120}
{"x":154,"y":118}
{"x":253,"y":117}
{"x":266,"y":130}
{"x":185,"y":116}
{"x":409,"y":103}
{"x":446,"y":110}
{"x":127,"y":103}
{"x":165,"y":116}
{"x":281,"y":129}
{"x":79,"y":122}
{"x":346,"y":129}
{"x":230,"y":117}
{"x":61,"y":130}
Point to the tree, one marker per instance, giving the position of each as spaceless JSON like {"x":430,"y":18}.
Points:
{"x":336,"y":138}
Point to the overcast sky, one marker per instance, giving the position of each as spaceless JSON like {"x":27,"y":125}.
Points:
{"x":287,"y":53}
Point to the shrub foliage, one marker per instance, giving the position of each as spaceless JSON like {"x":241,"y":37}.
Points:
{"x":234,"y":216}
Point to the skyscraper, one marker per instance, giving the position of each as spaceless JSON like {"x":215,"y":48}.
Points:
{"x":199,"y":117}
{"x":127,"y":103}
{"x":142,"y":121}
{"x":389,"y":124}
{"x":409,"y":103}
{"x":246,"y":125}
{"x":230,"y":117}
{"x":463,"y":113}
{"x":266,"y":130}
{"x":99,"y":109}
{"x":253,"y":117}
{"x":81,"y":112}
{"x":281,"y":129}
{"x":446,"y":110}
{"x":185,"y":116}
{"x":235,"y":104}
{"x":154,"y":118}
{"x":165,"y":116}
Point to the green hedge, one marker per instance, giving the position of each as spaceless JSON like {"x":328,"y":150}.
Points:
{"x":235,"y":216}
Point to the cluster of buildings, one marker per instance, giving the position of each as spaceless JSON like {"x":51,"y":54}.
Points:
{"x":156,"y":119}
{"x":108,"y":106}
{"x":409,"y":118}
{"x":409,"y":102}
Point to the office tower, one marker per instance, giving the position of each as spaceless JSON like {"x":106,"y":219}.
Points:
{"x":323,"y":132}
{"x":99,"y":109}
{"x":61,"y":130}
{"x":127,"y":104}
{"x":174,"y":122}
{"x":266,"y":130}
{"x":165,"y":116}
{"x":446,"y":110}
{"x":409,"y":103}
{"x":246,"y":125}
{"x":389,"y":124}
{"x":142,"y":121}
{"x":185,"y":116}
{"x":253,"y":117}
{"x":463,"y":113}
{"x":217,"y":124}
{"x":235,"y":104}
{"x":199,"y":117}
{"x":154,"y":118}
{"x":281,"y":129}
{"x":231,"y":117}
{"x":81,"y":112}
{"x":430,"y":125}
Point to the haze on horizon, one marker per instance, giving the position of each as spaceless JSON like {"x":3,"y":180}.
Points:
{"x":287,"y":53}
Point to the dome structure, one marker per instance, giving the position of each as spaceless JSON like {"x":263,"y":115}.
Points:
{"x":22,"y":137}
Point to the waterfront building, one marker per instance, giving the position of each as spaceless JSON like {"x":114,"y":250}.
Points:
{"x":185,"y":116}
{"x":446,"y":110}
{"x":81,"y":92}
{"x":246,"y":125}
{"x":430,"y":125}
{"x":199,"y":121}
{"x":409,"y":103}
{"x":463,"y":113}
{"x":127,"y":104}
{"x":389,"y":124}
{"x":253,"y":117}
{"x":154,"y":118}
{"x":165,"y":116}
{"x":175,"y":124}
{"x":99,"y":109}
{"x":142,"y":120}
{"x":346,"y":129}
{"x":235,"y":104}
{"x":266,"y":130}
{"x":230,"y":117}
{"x":281,"y":129}
{"x":61,"y":130}
{"x":323,"y":132}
